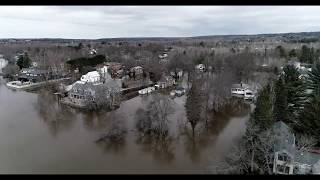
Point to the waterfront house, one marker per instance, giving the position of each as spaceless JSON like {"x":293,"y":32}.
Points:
{"x":284,"y":149}
{"x":85,"y":94}
{"x":34,"y":75}
{"x":166,"y":81}
{"x":287,"y":158}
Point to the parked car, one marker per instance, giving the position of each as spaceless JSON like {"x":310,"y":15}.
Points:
{"x":157,"y":86}
{"x":239,"y":89}
{"x":180,"y":91}
{"x":248,"y":95}
{"x":146,"y":90}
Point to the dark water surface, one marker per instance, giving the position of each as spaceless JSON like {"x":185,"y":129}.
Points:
{"x":37,"y":135}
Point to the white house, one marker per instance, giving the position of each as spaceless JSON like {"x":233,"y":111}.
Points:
{"x":104,"y":72}
{"x":200,"y":67}
{"x":92,"y":77}
{"x":93,"y":51}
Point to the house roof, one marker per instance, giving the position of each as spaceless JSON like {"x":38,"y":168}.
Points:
{"x":285,"y":139}
{"x":165,"y":78}
{"x":93,"y":74}
{"x":307,"y":158}
{"x":82,"y":88}
{"x":316,"y":168}
{"x":34,"y":71}
{"x":240,"y":86}
{"x":136,"y":67}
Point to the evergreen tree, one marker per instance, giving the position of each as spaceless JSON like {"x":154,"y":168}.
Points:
{"x":263,"y":113}
{"x":310,"y":118}
{"x":305,"y":54}
{"x":292,"y":53}
{"x":314,"y":77}
{"x":24,"y":61}
{"x":280,"y":105}
{"x":281,"y":51}
{"x":295,"y":93}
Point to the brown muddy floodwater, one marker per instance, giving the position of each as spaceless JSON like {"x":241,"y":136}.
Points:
{"x":37,"y":135}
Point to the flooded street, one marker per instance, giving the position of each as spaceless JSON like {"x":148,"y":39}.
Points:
{"x":38,"y":135}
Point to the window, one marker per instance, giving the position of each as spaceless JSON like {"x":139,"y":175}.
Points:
{"x":283,"y":169}
{"x":287,"y":169}
{"x":283,"y":157}
{"x":280,"y":168}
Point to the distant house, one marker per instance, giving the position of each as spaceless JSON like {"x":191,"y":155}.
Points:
{"x":115,"y":69}
{"x":104,"y":72}
{"x":136,"y":72}
{"x":239,"y":89}
{"x":92,"y":51}
{"x":34,"y":75}
{"x":289,"y":160}
{"x":34,"y":64}
{"x":300,"y":66}
{"x":163,"y":56}
{"x":178,"y":73}
{"x":166,"y":81}
{"x":200,"y":67}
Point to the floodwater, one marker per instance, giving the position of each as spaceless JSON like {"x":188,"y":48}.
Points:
{"x":38,"y":135}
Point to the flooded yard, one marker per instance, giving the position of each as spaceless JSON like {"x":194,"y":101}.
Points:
{"x":39,"y":135}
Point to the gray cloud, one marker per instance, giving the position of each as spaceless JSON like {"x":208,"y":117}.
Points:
{"x":153,"y":21}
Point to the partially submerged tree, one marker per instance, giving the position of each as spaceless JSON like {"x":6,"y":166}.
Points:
{"x":152,"y":126}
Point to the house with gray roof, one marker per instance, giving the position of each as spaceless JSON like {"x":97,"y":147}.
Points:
{"x":284,"y":149}
{"x":85,"y":94}
{"x":287,"y":158}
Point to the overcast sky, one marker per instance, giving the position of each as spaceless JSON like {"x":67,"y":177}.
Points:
{"x":91,"y":22}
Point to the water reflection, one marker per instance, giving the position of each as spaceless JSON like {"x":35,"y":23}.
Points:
{"x":162,"y":149}
{"x":219,"y":120}
{"x":207,"y":135}
{"x":152,"y":125}
{"x":57,"y":118}
{"x":115,"y":131}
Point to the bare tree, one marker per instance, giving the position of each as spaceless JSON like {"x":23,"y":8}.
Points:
{"x":114,"y":137}
{"x":153,"y":129}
